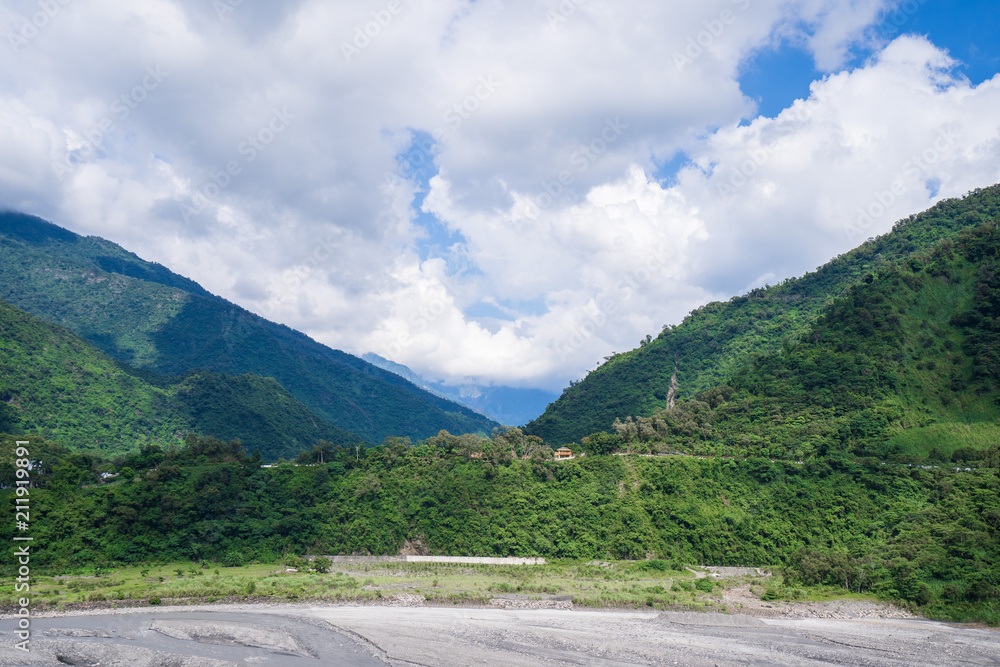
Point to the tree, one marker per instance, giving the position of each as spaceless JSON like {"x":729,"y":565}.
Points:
{"x":469,"y":445}
{"x":602,"y":443}
{"x":9,"y":420}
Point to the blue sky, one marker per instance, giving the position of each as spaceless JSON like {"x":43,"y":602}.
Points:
{"x":577,"y":185}
{"x":775,"y":77}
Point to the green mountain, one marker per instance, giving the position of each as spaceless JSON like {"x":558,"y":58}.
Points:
{"x":715,"y":341}
{"x":905,"y":366}
{"x":144,"y":315}
{"x":56,"y":384}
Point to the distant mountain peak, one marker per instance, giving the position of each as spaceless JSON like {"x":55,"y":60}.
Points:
{"x":507,"y":405}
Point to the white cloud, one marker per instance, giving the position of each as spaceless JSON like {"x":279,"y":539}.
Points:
{"x":838,"y":27}
{"x":843,"y":165}
{"x":561,"y":118}
{"x":761,"y":202}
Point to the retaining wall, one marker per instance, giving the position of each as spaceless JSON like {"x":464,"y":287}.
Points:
{"x":473,"y":560}
{"x":461,"y":560}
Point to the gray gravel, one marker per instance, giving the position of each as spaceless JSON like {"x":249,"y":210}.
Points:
{"x":420,"y":635}
{"x":186,"y":639}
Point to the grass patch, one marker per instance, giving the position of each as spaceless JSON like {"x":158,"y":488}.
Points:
{"x":946,"y":438}
{"x":609,"y":584}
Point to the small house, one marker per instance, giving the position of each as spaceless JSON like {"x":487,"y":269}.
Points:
{"x":564,"y":453}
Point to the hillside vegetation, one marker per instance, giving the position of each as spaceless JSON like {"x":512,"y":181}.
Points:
{"x":56,"y":384}
{"x":905,"y":366}
{"x":714,"y":342}
{"x":143,"y":315}
{"x":927,"y":536}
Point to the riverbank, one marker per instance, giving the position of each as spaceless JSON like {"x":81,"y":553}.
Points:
{"x":598,"y":585}
{"x":846,"y":609}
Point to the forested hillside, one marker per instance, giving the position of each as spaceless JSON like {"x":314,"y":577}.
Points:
{"x":714,"y":342}
{"x":929,"y":536}
{"x":907,"y":364}
{"x":150,"y":318}
{"x":56,"y":384}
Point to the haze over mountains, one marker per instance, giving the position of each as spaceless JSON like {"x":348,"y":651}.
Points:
{"x":507,"y":405}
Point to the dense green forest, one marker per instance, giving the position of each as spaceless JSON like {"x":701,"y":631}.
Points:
{"x":906,"y":365}
{"x":715,"y":341}
{"x":925,"y":535}
{"x":56,"y":384}
{"x":143,"y":315}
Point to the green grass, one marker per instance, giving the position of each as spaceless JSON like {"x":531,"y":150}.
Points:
{"x":620,"y":584}
{"x":139,"y":584}
{"x":946,"y":438}
{"x":612,"y":585}
{"x":776,"y":590}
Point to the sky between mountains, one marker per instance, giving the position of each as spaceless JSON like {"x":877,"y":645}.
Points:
{"x":494,"y":192}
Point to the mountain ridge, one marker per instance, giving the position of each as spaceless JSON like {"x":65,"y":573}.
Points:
{"x":714,"y":341}
{"x":152,"y":319}
{"x":904,"y":368}
{"x":54,"y":383}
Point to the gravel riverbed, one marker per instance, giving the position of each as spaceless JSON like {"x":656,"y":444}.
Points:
{"x":409,"y":633}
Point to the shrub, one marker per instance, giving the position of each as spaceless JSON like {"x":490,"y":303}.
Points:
{"x":705,"y":585}
{"x":657,"y":564}
{"x":234,"y":558}
{"x":771,"y":593}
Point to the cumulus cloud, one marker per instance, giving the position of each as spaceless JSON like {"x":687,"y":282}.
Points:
{"x":261,"y":149}
{"x":867,"y":148}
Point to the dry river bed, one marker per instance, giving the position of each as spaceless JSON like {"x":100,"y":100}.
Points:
{"x":311,"y":635}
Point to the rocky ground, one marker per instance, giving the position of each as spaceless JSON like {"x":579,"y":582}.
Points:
{"x":404,"y":632}
{"x":741,"y":600}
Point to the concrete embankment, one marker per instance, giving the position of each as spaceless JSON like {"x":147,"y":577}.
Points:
{"x":458,"y":560}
